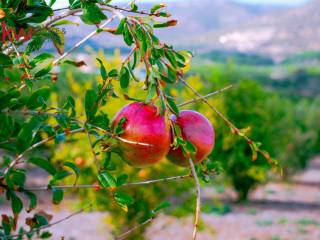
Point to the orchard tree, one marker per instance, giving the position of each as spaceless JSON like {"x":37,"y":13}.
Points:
{"x":142,"y":133}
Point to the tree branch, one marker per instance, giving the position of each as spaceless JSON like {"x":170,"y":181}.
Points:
{"x":206,"y":96}
{"x":93,"y":33}
{"x":44,"y":141}
{"x":198,"y":204}
{"x":233,"y":128}
{"x":123,"y":235}
{"x":88,"y":186}
{"x":50,"y":224}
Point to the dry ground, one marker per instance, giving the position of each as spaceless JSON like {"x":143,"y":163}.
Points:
{"x":277,"y":211}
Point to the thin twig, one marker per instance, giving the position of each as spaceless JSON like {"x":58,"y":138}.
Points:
{"x":198,"y":204}
{"x":204,"y":97}
{"x":44,"y":141}
{"x":93,"y":33}
{"x":45,"y":188}
{"x":233,"y":128}
{"x":226,"y":120}
{"x":124,"y":235}
{"x":59,"y":17}
{"x":29,"y":112}
{"x":50,"y":224}
{"x":60,"y":9}
{"x":92,"y":149}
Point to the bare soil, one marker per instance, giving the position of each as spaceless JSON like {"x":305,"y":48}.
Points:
{"x":276,"y":211}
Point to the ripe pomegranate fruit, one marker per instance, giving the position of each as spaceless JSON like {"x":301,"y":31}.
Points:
{"x":196,"y":129}
{"x":146,"y":136}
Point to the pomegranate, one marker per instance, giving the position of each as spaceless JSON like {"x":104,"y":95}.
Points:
{"x":146,"y":134}
{"x":196,"y":129}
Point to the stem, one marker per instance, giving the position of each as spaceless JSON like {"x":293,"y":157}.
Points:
{"x":130,"y":11}
{"x":59,"y":17}
{"x":123,"y":235}
{"x":204,"y":97}
{"x":93,"y":33}
{"x":88,"y":186}
{"x":92,"y":149}
{"x":20,"y":156}
{"x":198,"y":206}
{"x":50,"y":224}
{"x":233,"y":128}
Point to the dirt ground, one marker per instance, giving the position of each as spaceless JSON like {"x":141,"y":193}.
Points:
{"x":276,"y":211}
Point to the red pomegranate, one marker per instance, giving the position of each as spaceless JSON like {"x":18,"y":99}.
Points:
{"x":146,"y":137}
{"x":196,"y":129}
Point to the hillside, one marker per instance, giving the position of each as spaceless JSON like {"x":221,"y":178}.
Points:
{"x":225,"y":25}
{"x":278,"y":33}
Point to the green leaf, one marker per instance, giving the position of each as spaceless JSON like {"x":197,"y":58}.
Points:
{"x":64,"y":22}
{"x":44,"y":164}
{"x":35,"y":44}
{"x":5,"y":61}
{"x":74,"y":168}
{"x":190,"y":147}
{"x":61,"y":175}
{"x":157,"y":7}
{"x":28,"y":132}
{"x":41,"y":219}
{"x":123,"y":198}
{"x":74,"y":4}
{"x":35,"y":13}
{"x":101,"y":121}
{"x":57,"y":195}
{"x":16,"y":203}
{"x":127,"y":36}
{"x":173,"y":105}
{"x":122,"y":179}
{"x":40,"y":58}
{"x":58,"y":39}
{"x":92,"y":13}
{"x":18,"y":177}
{"x":44,"y":71}
{"x":152,"y":91}
{"x":172,"y":59}
{"x":90,"y":103}
{"x":37,"y":98}
{"x":161,"y":206}
{"x":45,"y":235}
{"x":106,"y":179}
{"x":119,"y":128}
{"x":32,"y":199}
{"x":169,"y":23}
{"x":134,"y":7}
{"x":124,"y":77}
{"x":121,"y":26}
{"x":113,"y":73}
{"x":162,"y":106}
{"x":103,"y":70}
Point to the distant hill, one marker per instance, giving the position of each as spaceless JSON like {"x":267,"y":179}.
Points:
{"x":208,"y":25}
{"x":277,"y":33}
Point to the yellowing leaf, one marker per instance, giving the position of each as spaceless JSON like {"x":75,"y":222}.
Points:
{"x":2,"y":13}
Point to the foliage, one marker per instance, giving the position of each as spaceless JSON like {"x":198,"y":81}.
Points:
{"x":43,"y":107}
{"x":287,"y":127}
{"x":34,"y":118}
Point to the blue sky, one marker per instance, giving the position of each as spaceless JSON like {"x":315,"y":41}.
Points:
{"x":62,"y":3}
{"x":274,"y":2}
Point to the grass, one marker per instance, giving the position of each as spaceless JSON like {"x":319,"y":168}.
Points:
{"x":308,"y":222}
{"x":264,"y":222}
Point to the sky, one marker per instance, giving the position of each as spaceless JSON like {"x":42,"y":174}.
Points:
{"x":63,"y":3}
{"x":274,"y":2}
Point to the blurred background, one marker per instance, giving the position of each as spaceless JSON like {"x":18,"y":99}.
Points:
{"x":269,"y":50}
